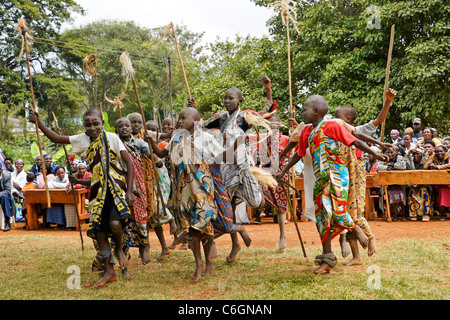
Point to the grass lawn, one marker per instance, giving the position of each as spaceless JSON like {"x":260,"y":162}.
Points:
{"x":39,"y":266}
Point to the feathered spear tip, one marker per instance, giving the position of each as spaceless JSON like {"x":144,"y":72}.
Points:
{"x":117,"y":101}
{"x":127,"y":66}
{"x":258,"y":121}
{"x":22,"y":28}
{"x":90,"y":65}
{"x":263,"y":177}
{"x":287,"y":9}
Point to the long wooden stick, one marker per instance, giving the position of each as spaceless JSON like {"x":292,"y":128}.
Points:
{"x":169,"y":62}
{"x":295,"y":220}
{"x":33,"y":102}
{"x":146,"y":137}
{"x":386,"y":81}
{"x":71,"y":183}
{"x":181,"y":60}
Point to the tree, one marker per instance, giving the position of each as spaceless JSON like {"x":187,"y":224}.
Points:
{"x":338,"y":55}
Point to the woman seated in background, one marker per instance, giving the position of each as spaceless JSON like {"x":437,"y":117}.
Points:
{"x":55,"y":214}
{"x":396,"y":193}
{"x":419,"y":196}
{"x":440,"y":161}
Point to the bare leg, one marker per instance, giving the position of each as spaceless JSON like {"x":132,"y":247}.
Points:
{"x":281,"y":224}
{"x":196,"y":249}
{"x":326,"y":248}
{"x":244,"y":236}
{"x":362,"y":238}
{"x":109,"y":275}
{"x":143,"y":253}
{"x":116,"y":229}
{"x":164,"y":249}
{"x":344,"y":247}
{"x":356,"y":260}
{"x":207,"y":247}
{"x":236,"y":247}
{"x":371,"y":247}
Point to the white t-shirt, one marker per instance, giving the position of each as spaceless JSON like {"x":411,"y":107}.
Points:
{"x":81,"y":142}
{"x":205,"y":142}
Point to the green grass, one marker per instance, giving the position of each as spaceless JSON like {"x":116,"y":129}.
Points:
{"x":35,"y":267}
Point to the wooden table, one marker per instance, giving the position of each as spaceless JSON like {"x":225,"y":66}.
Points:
{"x":35,"y":197}
{"x":387,"y":178}
{"x":403,"y":177}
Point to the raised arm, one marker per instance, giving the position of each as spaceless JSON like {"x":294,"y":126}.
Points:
{"x":390,"y":95}
{"x":291,"y":145}
{"x":54,"y":137}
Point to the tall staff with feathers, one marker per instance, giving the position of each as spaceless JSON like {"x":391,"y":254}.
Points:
{"x":288,"y":14}
{"x":23,"y":28}
{"x":129,"y":73}
{"x":69,"y":169}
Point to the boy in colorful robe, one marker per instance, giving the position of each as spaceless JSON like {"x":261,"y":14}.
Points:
{"x":331,"y":176}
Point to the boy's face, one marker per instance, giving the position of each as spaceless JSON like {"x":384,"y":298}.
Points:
{"x":136,"y":124}
{"x":93,"y":125}
{"x":308,"y":113}
{"x":232,"y":101}
{"x":167,"y":125}
{"x":60,"y":173}
{"x":186,"y":120}
{"x":152,"y":127}
{"x":123,"y":128}
{"x":428,"y":148}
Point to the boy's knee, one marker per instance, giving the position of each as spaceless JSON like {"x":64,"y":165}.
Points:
{"x":115,"y":225}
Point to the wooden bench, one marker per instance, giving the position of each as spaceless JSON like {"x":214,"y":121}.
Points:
{"x":34,"y":197}
{"x":403,"y":177}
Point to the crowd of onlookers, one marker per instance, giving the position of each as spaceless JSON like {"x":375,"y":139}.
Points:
{"x":415,"y":149}
{"x":14,"y":181}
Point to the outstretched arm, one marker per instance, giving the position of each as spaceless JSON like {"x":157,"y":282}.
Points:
{"x":291,"y":145}
{"x":54,"y":137}
{"x":160,"y":153}
{"x":390,"y":95}
{"x":295,"y":158}
{"x":368,"y":139}
{"x":364,"y":147}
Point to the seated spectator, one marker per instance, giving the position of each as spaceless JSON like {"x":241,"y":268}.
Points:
{"x":81,"y":174}
{"x":9,"y":165}
{"x":55,"y":214}
{"x":36,"y":166}
{"x":50,"y":176}
{"x":395,"y":137}
{"x":48,"y":158}
{"x":427,"y":135}
{"x":396,"y":193}
{"x":434,"y":135}
{"x":428,"y":149}
{"x":446,"y":143}
{"x":371,"y":163}
{"x":440,"y":161}
{"x":419,"y":196}
{"x":5,"y":196}
{"x":408,"y":145}
{"x":31,"y":184}
{"x":18,"y":179}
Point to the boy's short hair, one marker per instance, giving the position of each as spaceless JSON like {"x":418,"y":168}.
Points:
{"x":30,"y":176}
{"x":430,"y":142}
{"x":348,"y":110}
{"x":93,"y":111}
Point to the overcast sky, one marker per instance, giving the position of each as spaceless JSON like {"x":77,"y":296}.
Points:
{"x":217,"y":18}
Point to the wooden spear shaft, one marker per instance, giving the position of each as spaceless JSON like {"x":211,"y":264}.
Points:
{"x":386,"y":81}
{"x":71,"y":183}
{"x":155,"y":170}
{"x":181,"y":60}
{"x":292,"y":112}
{"x":169,"y":61}
{"x":33,"y":102}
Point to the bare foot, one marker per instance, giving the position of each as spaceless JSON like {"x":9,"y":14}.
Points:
{"x":355,"y":261}
{"x":234,"y":251}
{"x":213,"y":253}
{"x":344,"y":246}
{"x":362,"y":238}
{"x":209,"y":267}
{"x":282,"y":243}
{"x":198,"y":272}
{"x":184,"y":246}
{"x":107,"y":277}
{"x":245,"y":237}
{"x":143,"y":254}
{"x":323,"y":268}
{"x":126,"y":274}
{"x":371,"y":248}
{"x":164,"y":253}
{"x":123,"y":260}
